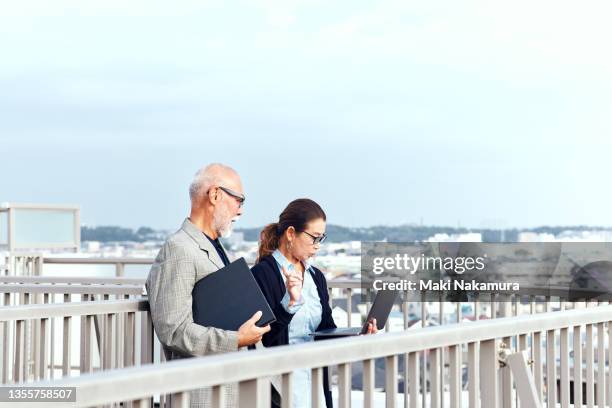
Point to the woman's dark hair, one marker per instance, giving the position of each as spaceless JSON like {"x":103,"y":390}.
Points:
{"x":297,"y":215}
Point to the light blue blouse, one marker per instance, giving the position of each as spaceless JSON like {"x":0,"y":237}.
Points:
{"x":307,"y":314}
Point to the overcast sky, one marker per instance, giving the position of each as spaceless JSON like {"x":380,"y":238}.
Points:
{"x":385,"y":112}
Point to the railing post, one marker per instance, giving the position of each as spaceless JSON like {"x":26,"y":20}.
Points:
{"x":601,"y":366}
{"x":424,"y":355}
{"x":507,"y":393}
{"x":180,"y":400}
{"x":368,"y":383}
{"x":287,"y":390}
{"x":536,"y":349}
{"x":84,"y":339}
{"x":391,"y":381}
{"x":254,"y":393}
{"x":146,"y":346}
{"x":37,"y":323}
{"x":435,"y":380}
{"x":6,"y":339}
{"x":87,"y":351}
{"x":45,"y":326}
{"x":66,"y":349}
{"x":344,"y":385}
{"x":27,"y":339}
{"x":590,"y":374}
{"x":109,"y":341}
{"x":317,"y":387}
{"x":609,"y":392}
{"x":441,"y":355}
{"x":473,"y":375}
{"x":564,"y":385}
{"x":43,"y":356}
{"x":349,"y":306}
{"x":18,"y":374}
{"x":455,"y":375}
{"x":577,"y":349}
{"x":146,"y":338}
{"x":130,"y":335}
{"x":218,"y":396}
{"x":551,"y":370}
{"x":412,"y":376}
{"x":488,"y":373}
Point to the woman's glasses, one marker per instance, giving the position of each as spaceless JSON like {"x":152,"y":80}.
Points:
{"x":316,"y":239}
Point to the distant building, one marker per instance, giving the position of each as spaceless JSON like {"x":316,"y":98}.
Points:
{"x":237,"y":238}
{"x":92,"y":246}
{"x":535,"y":237}
{"x":567,"y":236}
{"x":466,"y":237}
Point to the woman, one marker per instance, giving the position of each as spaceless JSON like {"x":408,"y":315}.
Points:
{"x":296,"y":290}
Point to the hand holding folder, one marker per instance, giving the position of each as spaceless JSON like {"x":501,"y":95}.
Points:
{"x":230,"y":299}
{"x":249,"y":333}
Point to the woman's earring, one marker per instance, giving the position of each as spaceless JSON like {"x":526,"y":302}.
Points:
{"x":289,"y":245}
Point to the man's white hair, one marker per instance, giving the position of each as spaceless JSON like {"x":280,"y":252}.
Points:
{"x":208,"y":176}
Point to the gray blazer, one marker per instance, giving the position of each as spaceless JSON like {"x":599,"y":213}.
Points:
{"x":186,"y":257}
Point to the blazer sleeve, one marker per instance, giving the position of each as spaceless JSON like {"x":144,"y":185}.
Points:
{"x":273,"y":293}
{"x":169,"y":288}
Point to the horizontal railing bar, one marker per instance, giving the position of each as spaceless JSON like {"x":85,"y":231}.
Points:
{"x":187,"y":374}
{"x":72,"y":280}
{"x":42,"y":207}
{"x":71,"y":289}
{"x":344,"y":283}
{"x":109,"y":261}
{"x":24,"y":312}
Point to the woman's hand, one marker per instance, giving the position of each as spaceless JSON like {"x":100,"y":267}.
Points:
{"x":372,"y":327}
{"x":293,"y":282}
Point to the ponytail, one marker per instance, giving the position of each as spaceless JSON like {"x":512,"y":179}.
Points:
{"x":268,"y":240}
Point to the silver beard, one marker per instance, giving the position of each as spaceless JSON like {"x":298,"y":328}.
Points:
{"x":223,"y":227}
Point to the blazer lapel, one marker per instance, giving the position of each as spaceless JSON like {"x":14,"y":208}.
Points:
{"x":203,"y":242}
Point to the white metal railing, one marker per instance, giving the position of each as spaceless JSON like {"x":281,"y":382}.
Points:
{"x":28,"y":289}
{"x":30,"y":264}
{"x":490,"y":384}
{"x":81,"y":280}
{"x":119,"y":263}
{"x":540,"y":299}
{"x":25,"y":264}
{"x":537,"y":300}
{"x":24,"y":341}
{"x":99,"y":335}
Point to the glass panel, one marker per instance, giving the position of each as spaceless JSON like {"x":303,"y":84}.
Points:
{"x":35,"y":228}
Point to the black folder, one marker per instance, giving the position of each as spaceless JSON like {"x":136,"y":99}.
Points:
{"x":229,"y":297}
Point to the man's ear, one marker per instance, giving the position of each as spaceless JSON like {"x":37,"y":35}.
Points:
{"x":213,"y":195}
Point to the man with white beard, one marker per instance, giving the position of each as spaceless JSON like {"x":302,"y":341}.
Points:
{"x":188,"y":255}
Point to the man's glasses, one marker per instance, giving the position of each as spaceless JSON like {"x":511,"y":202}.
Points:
{"x":239,"y":197}
{"x":316,"y":239}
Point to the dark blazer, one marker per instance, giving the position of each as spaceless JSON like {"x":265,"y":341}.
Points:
{"x":268,"y":276}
